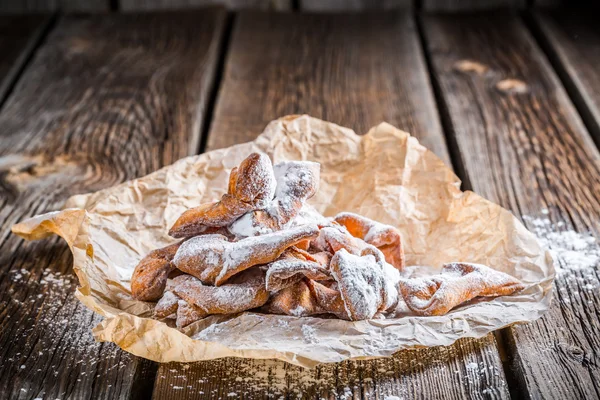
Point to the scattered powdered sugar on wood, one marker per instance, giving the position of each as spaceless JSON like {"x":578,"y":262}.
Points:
{"x":386,"y":378}
{"x":570,"y":250}
{"x":55,"y":340}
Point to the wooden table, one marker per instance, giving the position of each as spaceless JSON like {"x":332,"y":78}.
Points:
{"x":512,"y":102}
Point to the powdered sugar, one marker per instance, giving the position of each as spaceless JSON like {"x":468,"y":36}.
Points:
{"x":571,"y":250}
{"x":360,"y":281}
{"x":246,"y":249}
{"x":296,"y":180}
{"x":308,"y":215}
{"x":246,"y":227}
{"x":456,"y":284}
{"x":309,"y":334}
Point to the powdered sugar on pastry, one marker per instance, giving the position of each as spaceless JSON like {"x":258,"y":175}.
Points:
{"x":297,"y":181}
{"x":308,"y":215}
{"x":457,"y":283}
{"x":289,"y":270}
{"x":245,"y":291}
{"x":385,"y":237}
{"x":363,"y":284}
{"x":251,"y":186}
{"x":213,"y":259}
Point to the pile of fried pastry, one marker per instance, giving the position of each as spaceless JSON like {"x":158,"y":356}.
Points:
{"x":261,"y":247}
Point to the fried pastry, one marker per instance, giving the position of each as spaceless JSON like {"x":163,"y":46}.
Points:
{"x":293,"y":266}
{"x":366,"y":282}
{"x":297,"y":181}
{"x":213,"y":259}
{"x":385,"y":237}
{"x":243,"y":292}
{"x":187,"y":314}
{"x":150,"y":275}
{"x":297,"y":300}
{"x":251,"y":186}
{"x":457,"y":283}
{"x":329,"y":299}
{"x":335,"y":237}
{"x":166,"y":307}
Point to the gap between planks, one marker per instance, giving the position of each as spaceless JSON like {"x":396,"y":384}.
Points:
{"x":45,"y":325}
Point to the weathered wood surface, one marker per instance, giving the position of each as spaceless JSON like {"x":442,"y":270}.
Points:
{"x":357,"y":70}
{"x":572,"y":39}
{"x":354,"y":5}
{"x":105,"y":99}
{"x":467,"y":5}
{"x":524,"y":146}
{"x":28,"y":6}
{"x":466,"y":370}
{"x":131,"y":5}
{"x":18,"y":38}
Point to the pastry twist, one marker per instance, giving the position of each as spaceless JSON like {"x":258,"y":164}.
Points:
{"x":251,"y":186}
{"x":457,"y":283}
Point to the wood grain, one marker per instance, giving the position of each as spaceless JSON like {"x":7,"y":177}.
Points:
{"x":28,"y":6}
{"x":356,"y":70}
{"x":354,"y":5}
{"x":130,"y":5}
{"x":18,"y":37}
{"x":573,"y":41}
{"x":466,"y":370}
{"x":470,"y":5}
{"x":524,"y":147}
{"x":105,"y":99}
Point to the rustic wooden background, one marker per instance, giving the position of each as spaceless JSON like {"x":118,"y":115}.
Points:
{"x":28,"y":6}
{"x":509,"y":99}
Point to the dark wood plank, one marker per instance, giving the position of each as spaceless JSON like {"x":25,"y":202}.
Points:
{"x":28,"y":6}
{"x":356,"y":70}
{"x":354,"y":5}
{"x":572,"y":38}
{"x":18,"y":38}
{"x":470,"y":5}
{"x":524,"y":147}
{"x":129,"y":5}
{"x":105,"y":99}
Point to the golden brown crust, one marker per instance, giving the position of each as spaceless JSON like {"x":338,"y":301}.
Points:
{"x":187,"y":314}
{"x":293,"y":266}
{"x":458,"y":283}
{"x":244,"y":292}
{"x":251,"y":186}
{"x":385,"y":237}
{"x":213,"y":260}
{"x":329,"y":299}
{"x":297,"y":300}
{"x":150,"y":275}
{"x":297,"y":181}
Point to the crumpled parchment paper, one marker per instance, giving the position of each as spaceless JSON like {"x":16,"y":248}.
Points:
{"x":385,"y":175}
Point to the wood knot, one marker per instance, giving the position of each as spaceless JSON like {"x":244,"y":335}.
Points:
{"x":469,"y":66}
{"x":18,"y":172}
{"x":512,"y":86}
{"x":577,"y":354}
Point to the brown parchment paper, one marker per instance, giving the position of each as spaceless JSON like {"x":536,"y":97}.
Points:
{"x":386,"y":175}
